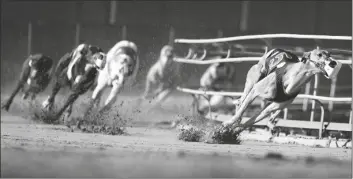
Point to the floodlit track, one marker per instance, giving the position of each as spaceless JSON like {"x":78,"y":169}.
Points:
{"x":40,"y":150}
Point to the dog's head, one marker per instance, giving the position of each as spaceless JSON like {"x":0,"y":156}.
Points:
{"x":167,"y":53}
{"x":99,"y":60}
{"x":323,"y":61}
{"x":122,"y":64}
{"x":38,"y":63}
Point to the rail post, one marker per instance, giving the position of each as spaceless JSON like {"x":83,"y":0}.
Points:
{"x":171,"y":35}
{"x":77,"y":34}
{"x":124,"y":32}
{"x":351,"y":114}
{"x":285,"y":115}
{"x":29,"y":38}
{"x":219,"y":33}
{"x":316,"y":84}
{"x":244,"y":16}
{"x":112,"y":13}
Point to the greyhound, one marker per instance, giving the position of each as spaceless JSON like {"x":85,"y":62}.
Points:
{"x":163,"y":76}
{"x":217,"y":77}
{"x":122,"y":66}
{"x":34,"y":78}
{"x":76,"y":70}
{"x":278,"y":77}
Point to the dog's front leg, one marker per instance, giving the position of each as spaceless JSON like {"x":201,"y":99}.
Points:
{"x":49,"y":102}
{"x":274,"y":108}
{"x":241,"y":109}
{"x":147,"y":89}
{"x":252,"y":77}
{"x":26,"y":69}
{"x":162,"y":96}
{"x":70,"y":100}
{"x":117,"y":85}
{"x":67,"y":114}
{"x":96,"y":96}
{"x":271,"y":124}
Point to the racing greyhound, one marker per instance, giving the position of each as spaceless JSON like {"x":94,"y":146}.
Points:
{"x":34,"y":78}
{"x":76,"y":70}
{"x":278,"y":77}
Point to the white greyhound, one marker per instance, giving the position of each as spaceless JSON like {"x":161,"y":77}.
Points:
{"x":122,"y":66}
{"x":279,"y":77}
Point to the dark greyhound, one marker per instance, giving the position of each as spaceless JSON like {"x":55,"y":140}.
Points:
{"x":34,"y":78}
{"x":76,"y":70}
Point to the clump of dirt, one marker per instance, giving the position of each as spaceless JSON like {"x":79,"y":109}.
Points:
{"x":108,"y":130}
{"x":191,"y":134}
{"x":226,"y":135}
{"x":109,"y":123}
{"x":36,"y":113}
{"x":196,"y":129}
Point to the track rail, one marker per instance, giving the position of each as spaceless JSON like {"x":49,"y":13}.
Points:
{"x":264,"y":36}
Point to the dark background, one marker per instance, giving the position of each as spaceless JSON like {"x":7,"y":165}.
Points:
{"x":148,"y":25}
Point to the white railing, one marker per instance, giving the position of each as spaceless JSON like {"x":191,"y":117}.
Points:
{"x":234,"y":60}
{"x":237,"y":94}
{"x":265,"y":36}
{"x":314,"y":98}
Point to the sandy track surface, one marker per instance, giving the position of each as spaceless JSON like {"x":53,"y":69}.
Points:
{"x":39,"y":150}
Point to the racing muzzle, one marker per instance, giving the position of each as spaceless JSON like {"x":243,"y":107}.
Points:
{"x":332,"y":68}
{"x":100,"y":61}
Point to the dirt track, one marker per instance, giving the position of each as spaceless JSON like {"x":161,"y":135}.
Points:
{"x":38,"y":150}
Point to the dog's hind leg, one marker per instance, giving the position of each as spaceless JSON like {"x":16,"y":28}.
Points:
{"x":67,"y":113}
{"x":274,"y":108}
{"x":271,"y":124}
{"x":23,"y":78}
{"x":147,"y":91}
{"x":69,"y":102}
{"x":345,"y":144}
{"x":162,"y":96}
{"x":253,"y":76}
{"x":25,"y":95}
{"x":265,"y":88}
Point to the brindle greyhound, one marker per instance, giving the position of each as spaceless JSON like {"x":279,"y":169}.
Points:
{"x":78,"y":71}
{"x":36,"y":71}
{"x":278,"y":77}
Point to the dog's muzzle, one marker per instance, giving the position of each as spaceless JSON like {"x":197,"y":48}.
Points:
{"x":100,"y":61}
{"x":332,"y":68}
{"x":100,"y":64}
